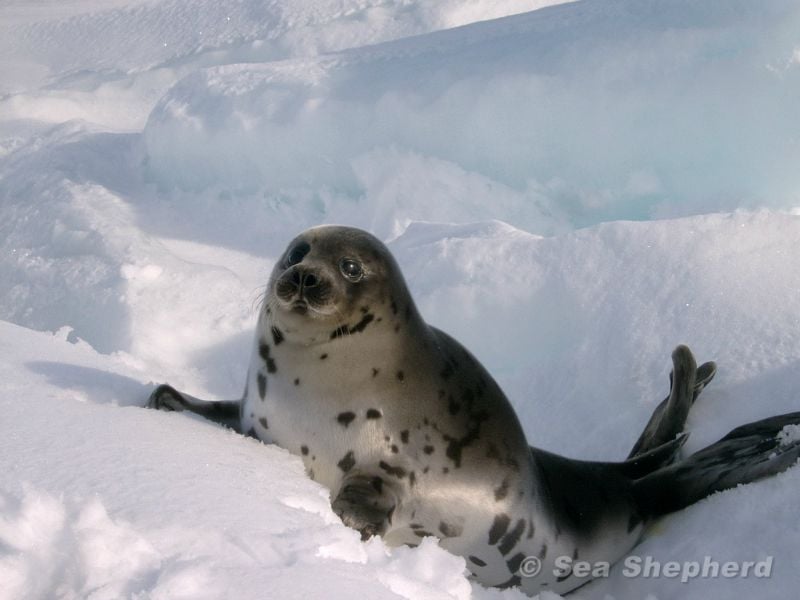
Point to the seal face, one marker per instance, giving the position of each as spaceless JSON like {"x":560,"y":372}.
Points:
{"x":414,"y":438}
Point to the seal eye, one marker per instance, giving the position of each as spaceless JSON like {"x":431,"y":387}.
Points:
{"x":297,"y":254}
{"x":351,"y":269}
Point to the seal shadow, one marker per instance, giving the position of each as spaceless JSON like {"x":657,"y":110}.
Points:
{"x":96,"y":385}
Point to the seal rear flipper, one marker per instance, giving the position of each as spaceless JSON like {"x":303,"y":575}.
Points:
{"x":668,"y":420}
{"x":225,"y":412}
{"x":746,"y":454}
{"x":652,"y":460}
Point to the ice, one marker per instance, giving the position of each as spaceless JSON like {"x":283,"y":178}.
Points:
{"x":571,"y":192}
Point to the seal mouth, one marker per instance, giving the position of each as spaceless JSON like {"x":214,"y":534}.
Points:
{"x":299,"y":307}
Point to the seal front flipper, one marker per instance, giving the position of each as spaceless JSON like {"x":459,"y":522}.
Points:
{"x":365,"y":503}
{"x":225,"y":412}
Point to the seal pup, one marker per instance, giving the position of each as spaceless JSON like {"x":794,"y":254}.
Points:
{"x":414,"y":438}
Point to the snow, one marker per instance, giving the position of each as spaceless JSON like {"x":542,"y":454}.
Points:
{"x":571,"y":192}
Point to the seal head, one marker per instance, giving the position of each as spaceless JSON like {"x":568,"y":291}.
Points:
{"x":326,"y":281}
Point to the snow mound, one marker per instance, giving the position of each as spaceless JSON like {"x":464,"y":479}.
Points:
{"x":140,"y":47}
{"x":599,"y":110}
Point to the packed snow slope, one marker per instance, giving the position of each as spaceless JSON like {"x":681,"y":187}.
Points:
{"x":570,"y":192}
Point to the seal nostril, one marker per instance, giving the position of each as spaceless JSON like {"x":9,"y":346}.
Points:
{"x":310,"y":280}
{"x":295,"y":277}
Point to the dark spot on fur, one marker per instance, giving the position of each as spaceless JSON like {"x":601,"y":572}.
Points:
{"x":477,"y":561}
{"x":263,"y":352}
{"x":394,"y":307}
{"x":398,"y":472}
{"x":428,"y":449}
{"x":515,"y":561}
{"x":304,"y":450}
{"x":412,"y":478}
{"x":339,"y":332}
{"x":502,"y":491}
{"x":450,"y":529}
{"x":297,"y":381}
{"x":362,"y":324}
{"x":311,"y":474}
{"x":347,"y":462}
{"x":345,"y":418}
{"x":277,"y":335}
{"x":323,"y":356}
{"x":511,"y":538}
{"x":531,"y":529}
{"x":543,"y":551}
{"x":374,"y":413}
{"x":499,"y":528}
{"x":456,"y":445}
{"x":261,"y":379}
{"x":400,"y":376}
{"x":426,"y":469}
{"x":397,"y":328}
{"x":386,"y":438}
{"x":395,"y":449}
{"x":415,"y":526}
{"x":263,"y":421}
{"x":375,"y":372}
{"x":445,"y":470}
{"x":404,"y":436}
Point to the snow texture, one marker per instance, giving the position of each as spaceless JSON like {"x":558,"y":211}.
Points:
{"x":571,"y":191}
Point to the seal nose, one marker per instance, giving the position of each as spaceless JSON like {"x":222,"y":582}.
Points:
{"x":304,"y":279}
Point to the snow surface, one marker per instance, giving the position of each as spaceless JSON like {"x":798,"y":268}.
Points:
{"x":571,"y":192}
